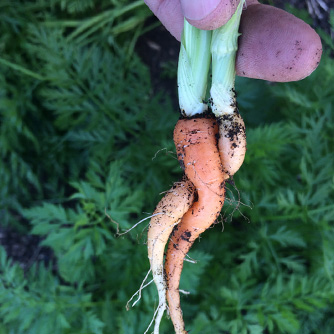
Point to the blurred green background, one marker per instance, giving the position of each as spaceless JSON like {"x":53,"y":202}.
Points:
{"x":86,"y":141}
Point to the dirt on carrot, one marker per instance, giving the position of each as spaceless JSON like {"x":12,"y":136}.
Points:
{"x":166,"y":216}
{"x":196,"y":145}
{"x":232,"y":142}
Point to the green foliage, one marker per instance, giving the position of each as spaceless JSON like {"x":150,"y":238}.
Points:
{"x":38,"y":303}
{"x":86,"y":149}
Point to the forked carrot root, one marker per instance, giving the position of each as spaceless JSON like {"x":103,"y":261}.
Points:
{"x":210,"y":149}
{"x":196,"y":146}
{"x":166,"y":216}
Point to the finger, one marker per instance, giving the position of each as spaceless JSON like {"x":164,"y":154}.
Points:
{"x":208,"y":14}
{"x":169,"y":12}
{"x":276,"y":46}
{"x":203,"y":14}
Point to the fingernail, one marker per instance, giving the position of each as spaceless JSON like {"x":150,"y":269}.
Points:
{"x":198,"y":9}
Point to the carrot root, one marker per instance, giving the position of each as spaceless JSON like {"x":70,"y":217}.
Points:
{"x":210,"y":151}
{"x":232,"y":142}
{"x":171,"y":209}
{"x":138,"y":292}
{"x":197,"y":150}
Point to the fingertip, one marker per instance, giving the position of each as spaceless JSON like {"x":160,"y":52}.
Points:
{"x":169,"y":12}
{"x":208,"y":14}
{"x":308,"y":59}
{"x":276,"y":45}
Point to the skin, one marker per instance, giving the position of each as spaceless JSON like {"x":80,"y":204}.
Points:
{"x":268,"y":47}
{"x":196,"y":146}
{"x":173,"y":206}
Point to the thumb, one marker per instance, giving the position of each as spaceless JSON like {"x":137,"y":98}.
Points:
{"x":208,"y":14}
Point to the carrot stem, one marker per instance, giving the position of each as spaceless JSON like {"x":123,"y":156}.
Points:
{"x":224,"y":47}
{"x":194,"y":63}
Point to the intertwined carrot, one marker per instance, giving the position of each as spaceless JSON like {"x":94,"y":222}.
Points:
{"x":197,"y":150}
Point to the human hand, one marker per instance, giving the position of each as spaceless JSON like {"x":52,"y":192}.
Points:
{"x":274,"y":45}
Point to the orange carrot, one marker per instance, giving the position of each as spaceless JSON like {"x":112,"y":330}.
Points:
{"x":167,"y":214}
{"x":196,"y":145}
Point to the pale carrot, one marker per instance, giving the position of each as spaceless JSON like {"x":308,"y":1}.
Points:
{"x":232,"y":142}
{"x":167,"y":214}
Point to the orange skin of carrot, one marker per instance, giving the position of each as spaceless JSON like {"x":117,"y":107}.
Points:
{"x":196,"y":146}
